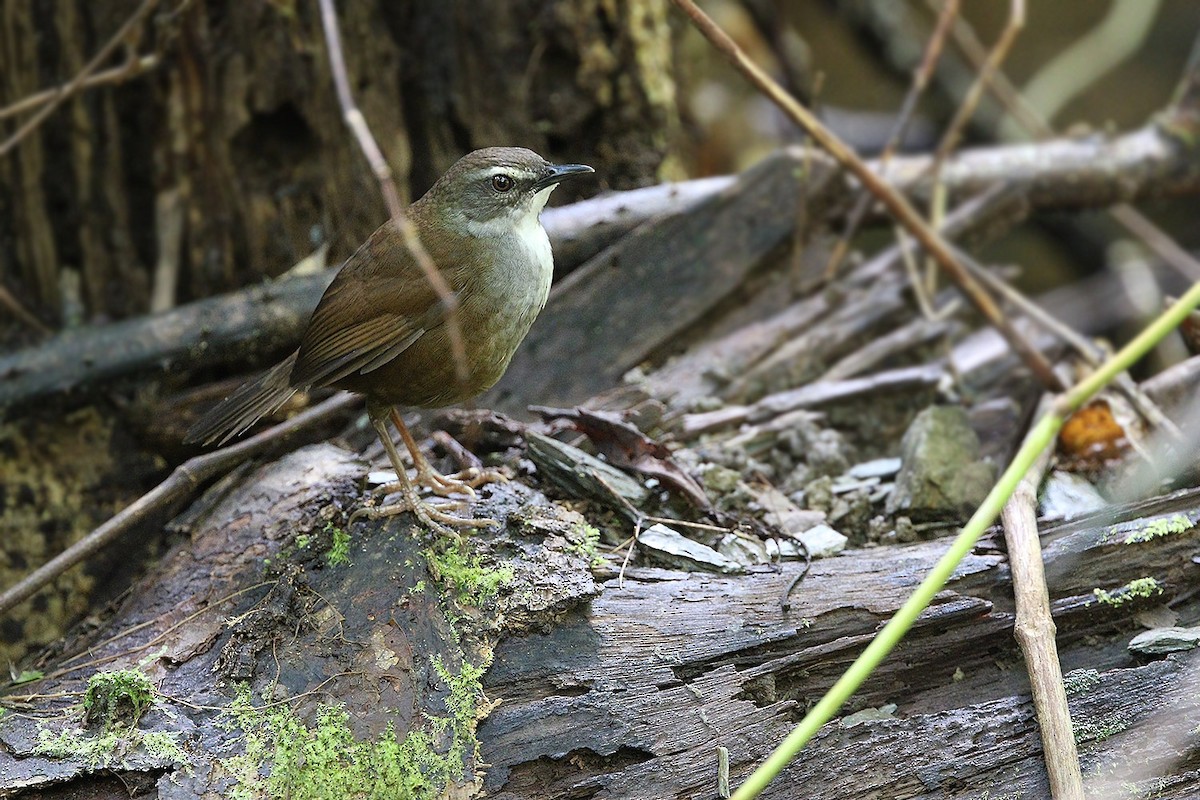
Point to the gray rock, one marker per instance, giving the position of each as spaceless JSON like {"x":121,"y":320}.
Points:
{"x":879,"y":468}
{"x":1067,"y":495}
{"x":941,"y":475}
{"x":823,"y":541}
{"x":844,"y":484}
{"x":782,"y":549}
{"x":1165,"y":640}
{"x":743,"y":549}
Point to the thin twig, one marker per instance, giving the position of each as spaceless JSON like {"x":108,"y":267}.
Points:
{"x":94,"y":663}
{"x":1161,"y":244}
{"x":182,"y":484}
{"x":987,"y":72}
{"x":391,"y":196}
{"x":966,"y":109}
{"x":64,"y":93}
{"x":637,"y":531}
{"x":133,"y":67}
{"x":895,"y":202}
{"x":20,"y":312}
{"x":921,"y":76}
{"x":1035,"y":629}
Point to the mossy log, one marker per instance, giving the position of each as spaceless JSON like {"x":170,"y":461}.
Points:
{"x":599,"y":686}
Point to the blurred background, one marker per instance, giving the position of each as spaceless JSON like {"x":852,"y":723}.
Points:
{"x":209,"y":152}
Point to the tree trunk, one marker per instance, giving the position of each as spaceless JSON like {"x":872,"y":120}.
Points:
{"x":229,"y":160}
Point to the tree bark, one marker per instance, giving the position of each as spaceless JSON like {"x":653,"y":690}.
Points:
{"x":234,"y":144}
{"x":624,"y":688}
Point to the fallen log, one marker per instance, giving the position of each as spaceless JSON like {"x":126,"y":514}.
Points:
{"x":252,"y":632}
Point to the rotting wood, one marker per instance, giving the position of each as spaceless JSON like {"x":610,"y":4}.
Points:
{"x":265,"y":320}
{"x":629,"y":694}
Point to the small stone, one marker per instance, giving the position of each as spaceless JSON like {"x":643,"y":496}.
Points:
{"x":823,"y":541}
{"x":784,"y":514}
{"x":843,"y":485}
{"x":881,"y":493}
{"x":941,"y":476}
{"x":905,"y":530}
{"x":782,"y":549}
{"x":819,"y":494}
{"x":879,"y":468}
{"x":744,"y":550}
{"x":720,"y":480}
{"x":1067,"y":495}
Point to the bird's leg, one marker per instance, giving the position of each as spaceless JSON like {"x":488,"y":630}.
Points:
{"x":439,"y":521}
{"x":460,"y":483}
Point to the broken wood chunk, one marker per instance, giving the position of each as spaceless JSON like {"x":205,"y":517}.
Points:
{"x":672,"y":549}
{"x":627,"y":447}
{"x":584,"y":476}
{"x":814,"y":395}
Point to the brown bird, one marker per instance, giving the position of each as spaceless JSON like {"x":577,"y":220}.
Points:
{"x":380,"y":329}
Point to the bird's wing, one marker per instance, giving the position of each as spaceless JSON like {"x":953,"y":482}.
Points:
{"x":378,"y":305}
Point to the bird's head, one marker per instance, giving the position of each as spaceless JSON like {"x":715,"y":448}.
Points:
{"x":497,"y":190}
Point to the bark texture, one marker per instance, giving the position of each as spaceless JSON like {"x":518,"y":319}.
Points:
{"x":229,"y":160}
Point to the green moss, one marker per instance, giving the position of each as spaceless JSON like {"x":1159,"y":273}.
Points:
{"x":284,"y":757}
{"x":115,"y":702}
{"x":339,"y":550}
{"x":1164,"y":526}
{"x":585,"y":539}
{"x":1080,"y":681}
{"x":1100,"y":730}
{"x":1139,"y":588}
{"x":111,"y":748}
{"x":464,"y":573}
{"x":118,"y":697}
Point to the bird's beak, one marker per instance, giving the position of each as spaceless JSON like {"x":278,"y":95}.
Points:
{"x":560,"y":172}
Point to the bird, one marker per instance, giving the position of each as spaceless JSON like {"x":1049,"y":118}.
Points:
{"x":381,"y":329}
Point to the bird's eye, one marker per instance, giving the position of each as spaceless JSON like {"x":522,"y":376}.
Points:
{"x":502,"y":183}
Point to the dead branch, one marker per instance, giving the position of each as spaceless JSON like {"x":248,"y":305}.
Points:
{"x":921,"y":76}
{"x":64,"y":93}
{"x":262,"y":321}
{"x":1035,"y":630}
{"x":895,"y":202}
{"x":134,"y":66}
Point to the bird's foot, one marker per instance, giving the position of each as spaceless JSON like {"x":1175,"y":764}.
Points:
{"x":464,"y":482}
{"x":427,"y":514}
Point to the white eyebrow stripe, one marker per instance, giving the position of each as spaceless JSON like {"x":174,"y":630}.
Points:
{"x":503,"y":170}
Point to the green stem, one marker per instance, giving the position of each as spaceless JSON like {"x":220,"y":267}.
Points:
{"x":1041,"y":437}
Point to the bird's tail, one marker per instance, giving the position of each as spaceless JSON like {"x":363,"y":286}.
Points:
{"x":233,"y":415}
